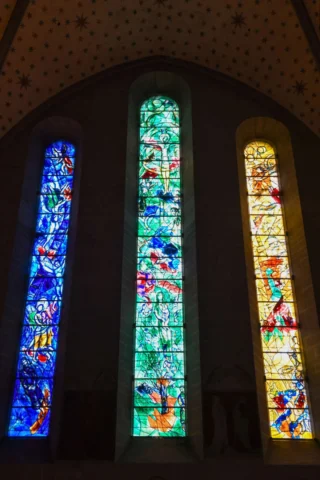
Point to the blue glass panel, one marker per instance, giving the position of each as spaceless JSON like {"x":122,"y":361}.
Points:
{"x":26,"y":421}
{"x":37,"y":337}
{"x":166,"y":246}
{"x":60,"y":148}
{"x":29,"y":390}
{"x":53,"y":223}
{"x":50,"y":245}
{"x":40,"y":360}
{"x":52,"y":264}
{"x":42,"y":312}
{"x":53,"y":203}
{"x":44,"y":286}
{"x":33,"y":390}
{"x":59,"y":184}
{"x":59,"y":159}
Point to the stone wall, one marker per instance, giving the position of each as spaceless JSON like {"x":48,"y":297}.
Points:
{"x":89,"y":385}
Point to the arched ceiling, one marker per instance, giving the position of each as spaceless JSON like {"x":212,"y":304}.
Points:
{"x":59,"y":42}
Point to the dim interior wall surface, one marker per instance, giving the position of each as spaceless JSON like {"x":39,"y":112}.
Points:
{"x":94,"y":379}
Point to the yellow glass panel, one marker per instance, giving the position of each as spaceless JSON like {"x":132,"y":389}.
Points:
{"x":260,"y":160}
{"x":287,"y":420}
{"x":284,"y":394}
{"x":264,"y":204}
{"x":278,"y":365}
{"x":261,"y":224}
{"x":275,"y":267}
{"x":277,"y":314}
{"x":269,"y":289}
{"x":280,"y":339}
{"x":258,"y":149}
{"x":269,"y":246}
{"x":263,"y":185}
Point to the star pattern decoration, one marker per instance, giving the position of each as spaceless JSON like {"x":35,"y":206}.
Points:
{"x":259,"y":43}
{"x":81,"y":22}
{"x":24,"y":81}
{"x":238,"y":20}
{"x":299,"y":87}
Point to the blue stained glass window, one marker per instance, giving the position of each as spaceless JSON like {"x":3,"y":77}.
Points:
{"x":32,"y":397}
{"x":159,"y":366}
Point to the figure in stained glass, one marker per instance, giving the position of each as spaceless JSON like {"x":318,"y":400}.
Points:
{"x":30,"y":412}
{"x":283,"y":365}
{"x":159,"y":398}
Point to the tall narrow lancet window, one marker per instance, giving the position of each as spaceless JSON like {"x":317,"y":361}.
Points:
{"x":284,"y":369}
{"x":159,"y":371}
{"x":32,"y":398}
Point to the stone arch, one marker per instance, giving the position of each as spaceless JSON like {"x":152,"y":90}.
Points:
{"x":277,"y":134}
{"x":44,"y":133}
{"x":173,"y":86}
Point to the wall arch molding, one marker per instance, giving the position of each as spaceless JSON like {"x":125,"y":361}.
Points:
{"x":44,"y":133}
{"x":150,"y":449}
{"x":277,"y":134}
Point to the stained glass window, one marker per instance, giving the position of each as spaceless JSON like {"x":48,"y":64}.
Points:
{"x":31,"y":406}
{"x":159,"y":371}
{"x":287,"y":397}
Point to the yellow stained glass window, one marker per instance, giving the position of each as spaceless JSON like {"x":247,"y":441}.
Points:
{"x":287,"y":397}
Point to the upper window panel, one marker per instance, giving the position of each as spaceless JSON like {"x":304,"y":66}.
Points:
{"x":159,"y":368}
{"x":31,"y":406}
{"x":287,"y":397}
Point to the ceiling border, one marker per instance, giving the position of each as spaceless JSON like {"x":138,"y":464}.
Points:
{"x":157,"y":62}
{"x":308,"y":28}
{"x":10,"y":31}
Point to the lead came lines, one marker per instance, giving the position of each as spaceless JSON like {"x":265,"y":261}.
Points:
{"x":283,"y":365}
{"x":33,"y":389}
{"x":159,"y":386}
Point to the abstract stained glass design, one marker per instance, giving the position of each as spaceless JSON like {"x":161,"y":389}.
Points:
{"x":31,"y":407}
{"x":283,"y":364}
{"x":159,"y":372}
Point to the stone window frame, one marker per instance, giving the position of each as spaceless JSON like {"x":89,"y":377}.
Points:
{"x":28,"y":449}
{"x":138,"y":449}
{"x":274,"y":132}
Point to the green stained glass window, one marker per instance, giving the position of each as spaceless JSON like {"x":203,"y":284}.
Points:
{"x":159,"y":364}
